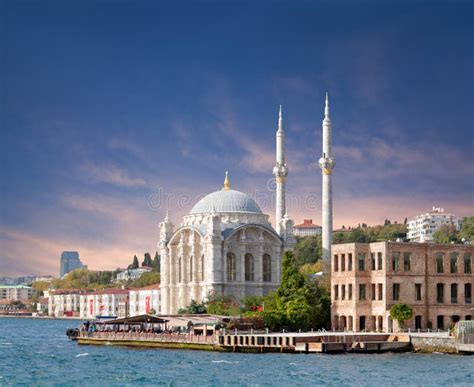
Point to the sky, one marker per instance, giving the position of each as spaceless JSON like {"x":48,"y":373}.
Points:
{"x":112,"y":112}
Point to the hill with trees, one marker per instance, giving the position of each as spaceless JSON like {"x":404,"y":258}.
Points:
{"x":449,"y":234}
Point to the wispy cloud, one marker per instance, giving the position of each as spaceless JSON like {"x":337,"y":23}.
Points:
{"x":111,"y":174}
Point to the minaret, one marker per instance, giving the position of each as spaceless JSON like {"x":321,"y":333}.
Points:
{"x":326,"y":163}
{"x":280,"y":171}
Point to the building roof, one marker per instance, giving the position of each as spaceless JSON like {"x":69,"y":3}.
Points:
{"x":226,"y":201}
{"x":149,"y":287}
{"x":112,"y":291}
{"x":16,"y":287}
{"x":144,"y":318}
{"x":307,"y":223}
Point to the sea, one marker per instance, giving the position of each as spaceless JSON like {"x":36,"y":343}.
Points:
{"x":37,"y":352}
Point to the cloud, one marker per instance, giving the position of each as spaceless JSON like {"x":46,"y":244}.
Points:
{"x":111,"y":174}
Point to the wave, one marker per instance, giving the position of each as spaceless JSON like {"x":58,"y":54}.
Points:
{"x":224,"y":361}
{"x":82,"y":354}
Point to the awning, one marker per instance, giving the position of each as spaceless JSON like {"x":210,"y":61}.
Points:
{"x":144,"y":318}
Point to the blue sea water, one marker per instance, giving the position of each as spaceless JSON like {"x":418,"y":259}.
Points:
{"x":34,"y":351}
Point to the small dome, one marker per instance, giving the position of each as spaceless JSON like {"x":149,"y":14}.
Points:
{"x":226,"y":200}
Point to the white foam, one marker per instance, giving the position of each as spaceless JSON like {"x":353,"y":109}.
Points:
{"x":224,"y":361}
{"x":82,"y":354}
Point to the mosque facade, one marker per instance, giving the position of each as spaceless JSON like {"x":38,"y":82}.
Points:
{"x":226,"y":244}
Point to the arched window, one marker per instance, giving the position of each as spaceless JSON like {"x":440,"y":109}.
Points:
{"x":249,"y":267}
{"x":231,"y":267}
{"x":267,"y":268}
{"x":203,"y":272}
{"x":191,"y":269}
{"x":179,"y":269}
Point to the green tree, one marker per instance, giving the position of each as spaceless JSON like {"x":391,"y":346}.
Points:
{"x":146,"y":279}
{"x":40,"y":286}
{"x":309,"y":249}
{"x":135,"y":264}
{"x":446,"y":234}
{"x":147,"y":260}
{"x":152,"y":311}
{"x":193,"y":308}
{"x":156,"y":263}
{"x":467,"y":229}
{"x":291,"y":278}
{"x":401,"y":313}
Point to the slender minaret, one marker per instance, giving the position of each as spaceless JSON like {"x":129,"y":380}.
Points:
{"x":280,"y":170}
{"x":326,"y":163}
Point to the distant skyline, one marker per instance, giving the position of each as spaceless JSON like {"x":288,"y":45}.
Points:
{"x":108,"y":107}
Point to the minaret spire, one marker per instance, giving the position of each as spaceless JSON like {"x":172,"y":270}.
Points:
{"x":280,"y":171}
{"x":326,"y":163}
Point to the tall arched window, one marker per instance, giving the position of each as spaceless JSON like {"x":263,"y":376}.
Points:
{"x":191,"y":269}
{"x":203,"y":272}
{"x":179,"y":269}
{"x":267,"y":268}
{"x":231,"y":267}
{"x":249,"y":267}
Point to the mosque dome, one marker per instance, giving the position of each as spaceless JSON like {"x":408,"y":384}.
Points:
{"x":226,"y":200}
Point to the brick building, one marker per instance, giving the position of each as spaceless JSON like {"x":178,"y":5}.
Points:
{"x":368,"y":278}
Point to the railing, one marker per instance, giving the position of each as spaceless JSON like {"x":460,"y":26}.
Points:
{"x":148,"y":336}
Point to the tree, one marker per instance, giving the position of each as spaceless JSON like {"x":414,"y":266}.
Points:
{"x":401,"y":313}
{"x":156,"y":262}
{"x":291,"y":278}
{"x":40,"y":286}
{"x":146,"y":279}
{"x":387,"y":222}
{"x":309,"y":249}
{"x":467,"y":229}
{"x":135,"y":264}
{"x":446,"y":234}
{"x":147,"y":260}
{"x":152,"y":311}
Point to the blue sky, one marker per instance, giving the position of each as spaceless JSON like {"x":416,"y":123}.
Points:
{"x":108,"y":106}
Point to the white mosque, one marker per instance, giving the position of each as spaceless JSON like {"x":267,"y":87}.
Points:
{"x":226,"y":244}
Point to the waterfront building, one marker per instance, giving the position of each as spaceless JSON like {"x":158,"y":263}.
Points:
{"x":16,"y":292}
{"x":327,"y":164}
{"x":145,"y":299}
{"x":42,"y":305}
{"x":307,"y":228}
{"x":104,"y":303}
{"x":64,"y":302}
{"x":422,"y":227}
{"x":70,"y":261}
{"x":368,"y":278}
{"x":225,"y":245}
{"x":133,"y":274}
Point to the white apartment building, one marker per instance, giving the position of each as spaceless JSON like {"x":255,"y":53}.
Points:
{"x":422,"y":227}
{"x":64,"y":302}
{"x":307,"y":228}
{"x":145,"y":299}
{"x":16,"y":292}
{"x":104,"y":303}
{"x":132,"y":274}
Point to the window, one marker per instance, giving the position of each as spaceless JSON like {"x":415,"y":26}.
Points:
{"x":396,"y":292}
{"x":379,"y":259}
{"x":343,"y":292}
{"x":373,"y":292}
{"x":191,"y":269}
{"x":440,"y":293}
{"x":418,"y":322}
{"x":362,"y":292}
{"x":440,"y":322}
{"x":336,"y":292}
{"x":418,"y":292}
{"x":267,"y":268}
{"x":468,"y":293}
{"x":203,"y":273}
{"x":350,"y":292}
{"x":380,"y":286}
{"x":362,"y":323}
{"x":453,"y":259}
{"x":395,"y":257}
{"x":231,"y":267}
{"x":406,"y":261}
{"x":372,"y":261}
{"x":361,"y":260}
{"x":349,"y":262}
{"x":454,"y":293}
{"x":336,"y":262}
{"x":467,"y":264}
{"x":249,"y":269}
{"x":439,"y":263}
{"x":343,"y":262}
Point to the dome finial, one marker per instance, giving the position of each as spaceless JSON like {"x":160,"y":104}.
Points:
{"x":226,"y":181}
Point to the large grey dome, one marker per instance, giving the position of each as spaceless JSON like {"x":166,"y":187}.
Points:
{"x":226,"y":201}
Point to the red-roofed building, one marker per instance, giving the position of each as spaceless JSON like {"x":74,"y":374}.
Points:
{"x":144,"y":300}
{"x":307,"y":228}
{"x":106,"y":302}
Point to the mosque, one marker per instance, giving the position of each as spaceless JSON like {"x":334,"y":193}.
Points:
{"x":226,"y":244}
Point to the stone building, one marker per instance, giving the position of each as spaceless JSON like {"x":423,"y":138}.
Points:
{"x":226,"y":245}
{"x":368,"y":278}
{"x":307,"y":228}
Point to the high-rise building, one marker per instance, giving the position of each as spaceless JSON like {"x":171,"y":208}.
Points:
{"x":422,"y":227}
{"x":69,"y":262}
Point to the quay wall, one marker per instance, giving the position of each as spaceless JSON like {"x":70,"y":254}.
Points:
{"x":434,"y":344}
